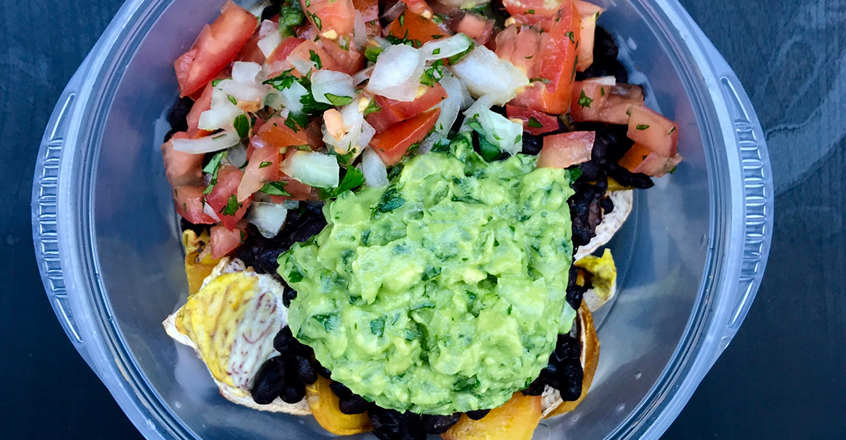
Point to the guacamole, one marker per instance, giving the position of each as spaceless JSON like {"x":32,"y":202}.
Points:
{"x":444,"y":291}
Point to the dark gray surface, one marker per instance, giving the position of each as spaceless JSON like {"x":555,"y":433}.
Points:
{"x":781,"y":378}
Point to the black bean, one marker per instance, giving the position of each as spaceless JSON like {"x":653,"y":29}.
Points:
{"x":575,"y":295}
{"x":565,"y":376}
{"x":567,"y":347}
{"x":186,"y":225}
{"x":607,"y":205}
{"x":304,"y":371}
{"x":269,"y":382}
{"x":284,"y":342}
{"x":321,"y":370}
{"x":393,"y":425}
{"x":340,"y":390}
{"x":532,"y":144}
{"x":271,"y":10}
{"x":292,"y":392}
{"x":433,"y":424}
{"x":478,"y":414}
{"x":288,"y":294}
{"x":536,"y":388}
{"x":354,"y":404}
{"x":590,"y":170}
{"x":177,"y":117}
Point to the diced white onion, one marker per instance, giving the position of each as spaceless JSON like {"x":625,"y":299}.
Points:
{"x":331,"y":82}
{"x":486,"y":74}
{"x":246,"y":72}
{"x":288,"y":99}
{"x":210,"y":212}
{"x":302,"y":66}
{"x":446,"y":47}
{"x":356,"y":131}
{"x":451,"y":105}
{"x":242,"y":92}
{"x":429,"y":142}
{"x":359,"y":31}
{"x":505,"y":134}
{"x":207,"y":144}
{"x":268,"y":218}
{"x":397,"y":73}
{"x":375,"y":173}
{"x":312,"y":168}
{"x":237,"y":155}
{"x":367,"y":133}
{"x":269,"y":43}
{"x":604,"y":80}
{"x":362,"y":75}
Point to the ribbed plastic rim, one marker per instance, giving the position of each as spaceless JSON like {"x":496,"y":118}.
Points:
{"x":107,"y":353}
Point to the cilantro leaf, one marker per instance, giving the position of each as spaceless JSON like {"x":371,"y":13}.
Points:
{"x":232,"y":206}
{"x":242,"y":126}
{"x":275,"y":189}
{"x":338,"y":101}
{"x":641,"y":126}
{"x":290,"y":16}
{"x":315,"y":58}
{"x":584,"y":100}
{"x":372,"y":53}
{"x":212,"y":168}
{"x":534,"y":123}
{"x":373,"y":107}
{"x":352,"y":179}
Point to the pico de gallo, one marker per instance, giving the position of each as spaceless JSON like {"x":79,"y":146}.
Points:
{"x":288,"y":106}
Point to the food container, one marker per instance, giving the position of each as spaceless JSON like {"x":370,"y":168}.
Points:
{"x":691,"y":255}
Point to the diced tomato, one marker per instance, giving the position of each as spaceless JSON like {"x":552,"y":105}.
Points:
{"x":348,"y":60}
{"x":532,"y":11}
{"x":392,"y":143}
{"x":304,"y":51}
{"x":275,"y":133}
{"x":369,"y":9}
{"x":202,"y":104}
{"x":188,"y":201}
{"x":223,"y":240}
{"x":566,"y":149}
{"x":653,"y":131}
{"x":332,"y":18}
{"x":392,"y":111}
{"x":476,"y":27}
{"x":225,"y":193}
{"x":216,"y":47}
{"x":314,"y":135}
{"x":588,"y":12}
{"x":640,"y":159}
{"x":182,"y":169}
{"x":520,"y":48}
{"x":553,"y":85}
{"x":276,"y":62}
{"x":251,"y":52}
{"x":419,"y":7}
{"x":617,"y":101}
{"x":416,"y":28}
{"x":534,"y":122}
{"x":262,"y":168}
{"x":297,"y":190}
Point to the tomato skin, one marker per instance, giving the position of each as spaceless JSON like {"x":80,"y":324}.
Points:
{"x":262,"y":168}
{"x":182,"y":169}
{"x":566,"y":149}
{"x":588,"y":13}
{"x":416,"y":28}
{"x":548,"y":123}
{"x":336,"y":16}
{"x":303,"y":52}
{"x":188,"y":201}
{"x":275,"y":133}
{"x":251,"y":52}
{"x":393,"y":111}
{"x":640,"y":159}
{"x":228,"y":180}
{"x":556,"y":65}
{"x":348,"y":60}
{"x":276,"y":61}
{"x":223,"y":241}
{"x":476,"y":27}
{"x":520,"y":47}
{"x":532,"y":11}
{"x":392,"y":143}
{"x":216,"y":46}
{"x":653,"y":130}
{"x":202,"y":104}
{"x":419,"y":7}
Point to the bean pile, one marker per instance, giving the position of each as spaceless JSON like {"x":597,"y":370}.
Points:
{"x":286,"y":375}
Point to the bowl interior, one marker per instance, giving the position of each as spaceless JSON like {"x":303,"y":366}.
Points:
{"x":660,"y":252}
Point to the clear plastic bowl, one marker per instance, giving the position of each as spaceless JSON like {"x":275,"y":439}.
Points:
{"x":691,"y":255}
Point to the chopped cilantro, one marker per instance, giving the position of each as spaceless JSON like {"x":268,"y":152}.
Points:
{"x":641,"y":126}
{"x":338,"y":100}
{"x":265,"y":164}
{"x":212,"y":168}
{"x":372,"y":53}
{"x":601,"y":91}
{"x":531,"y":11}
{"x":402,"y":19}
{"x":282,"y":81}
{"x":584,"y":100}
{"x":373,"y":107}
{"x":275,"y":189}
{"x":571,"y":35}
{"x":377,"y":326}
{"x":242,"y":126}
{"x":436,"y":51}
{"x":312,"y":55}
{"x":290,"y":16}
{"x":232,"y":99}
{"x":459,"y":56}
{"x":539,"y":79}
{"x":232,"y":206}
{"x":671,"y":132}
{"x":292,"y":124}
{"x":534,"y":123}
{"x":352,"y":180}
{"x":317,"y":22}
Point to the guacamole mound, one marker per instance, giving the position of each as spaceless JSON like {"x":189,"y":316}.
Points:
{"x":443,"y":292}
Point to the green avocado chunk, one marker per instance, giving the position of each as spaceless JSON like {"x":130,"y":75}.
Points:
{"x":443,"y":292}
